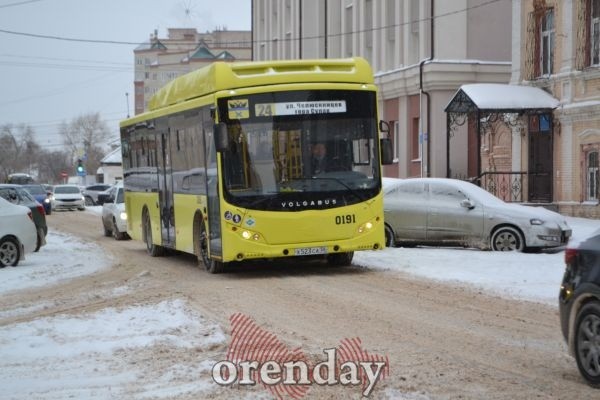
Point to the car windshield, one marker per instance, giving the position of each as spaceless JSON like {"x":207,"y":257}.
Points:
{"x":66,"y":190}
{"x":35,"y":189}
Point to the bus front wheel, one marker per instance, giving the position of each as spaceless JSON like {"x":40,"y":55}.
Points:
{"x":152,"y":249}
{"x":201,"y":249}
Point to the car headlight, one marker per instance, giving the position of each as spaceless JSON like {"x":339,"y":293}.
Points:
{"x":536,"y":221}
{"x":123,"y":216}
{"x":46,"y":200}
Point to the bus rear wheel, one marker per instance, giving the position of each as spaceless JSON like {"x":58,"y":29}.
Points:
{"x":152,"y":249}
{"x":340,"y":259}
{"x":201,"y":249}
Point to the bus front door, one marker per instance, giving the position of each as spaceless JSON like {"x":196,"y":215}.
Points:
{"x":165,"y":193}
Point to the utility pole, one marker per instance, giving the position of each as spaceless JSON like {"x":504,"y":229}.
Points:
{"x":127,"y":100}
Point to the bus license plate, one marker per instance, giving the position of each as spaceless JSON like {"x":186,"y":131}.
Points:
{"x":310,"y":251}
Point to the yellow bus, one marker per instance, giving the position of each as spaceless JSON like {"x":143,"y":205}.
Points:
{"x":258,"y":160}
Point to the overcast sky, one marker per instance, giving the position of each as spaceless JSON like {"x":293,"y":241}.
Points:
{"x":44,"y":81}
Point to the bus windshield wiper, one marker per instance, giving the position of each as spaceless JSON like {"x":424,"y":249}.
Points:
{"x":341,"y":182}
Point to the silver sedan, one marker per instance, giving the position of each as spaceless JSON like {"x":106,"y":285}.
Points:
{"x":438,"y":211}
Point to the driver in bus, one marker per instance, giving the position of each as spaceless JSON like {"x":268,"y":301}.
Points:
{"x":319,"y":158}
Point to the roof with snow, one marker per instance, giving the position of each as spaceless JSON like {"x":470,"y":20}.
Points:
{"x":114,"y":157}
{"x":500,"y":98}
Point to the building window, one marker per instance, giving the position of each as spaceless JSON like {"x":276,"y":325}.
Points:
{"x":547,"y":42}
{"x":595,"y":32}
{"x":592,"y":176}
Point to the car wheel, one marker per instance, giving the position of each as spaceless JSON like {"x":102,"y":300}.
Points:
{"x":10,"y":252}
{"x":507,"y":238}
{"x":390,"y":240}
{"x":340,"y":259}
{"x":152,"y":249}
{"x":587,"y":343}
{"x":89,"y":201}
{"x":201,"y":248}
{"x":118,"y":235}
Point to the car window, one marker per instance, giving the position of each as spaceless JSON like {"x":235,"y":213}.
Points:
{"x":25,"y":195}
{"x":412,"y":189}
{"x":9,"y":194}
{"x":66,"y":189}
{"x":35,"y":189}
{"x":444,"y":192}
{"x":120,"y":196}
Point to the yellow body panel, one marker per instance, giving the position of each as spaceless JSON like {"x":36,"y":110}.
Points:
{"x":270,"y":234}
{"x":135,"y":203}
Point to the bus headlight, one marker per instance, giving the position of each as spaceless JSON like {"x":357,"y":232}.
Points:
{"x":249,"y":235}
{"x":365,"y":227}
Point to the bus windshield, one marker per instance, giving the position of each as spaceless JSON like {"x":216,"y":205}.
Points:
{"x":301,"y":149}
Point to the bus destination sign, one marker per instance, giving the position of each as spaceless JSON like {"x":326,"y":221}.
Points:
{"x":300,"y":108}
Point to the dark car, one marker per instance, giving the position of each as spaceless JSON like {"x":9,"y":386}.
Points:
{"x":41,"y":195}
{"x":579,"y":306}
{"x":16,"y":194}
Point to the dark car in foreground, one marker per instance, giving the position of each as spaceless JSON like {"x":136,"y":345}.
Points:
{"x":579,"y":306}
{"x":16,"y":194}
{"x":41,"y":195}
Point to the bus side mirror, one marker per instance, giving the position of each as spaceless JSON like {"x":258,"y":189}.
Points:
{"x":221,"y":138}
{"x":387,"y":153}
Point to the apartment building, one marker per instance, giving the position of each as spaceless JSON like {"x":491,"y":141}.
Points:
{"x":160,"y":60}
{"x":421,"y":51}
{"x":558,"y":50}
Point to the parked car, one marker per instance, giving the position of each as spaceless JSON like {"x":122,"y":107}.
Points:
{"x":67,"y":197}
{"x":41,"y":195}
{"x":114,"y":217}
{"x":579,"y":306}
{"x":438,"y":211}
{"x":91,"y":193}
{"x":16,"y":194}
{"x":18,"y":234}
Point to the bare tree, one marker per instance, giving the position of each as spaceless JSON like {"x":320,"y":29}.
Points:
{"x":53,"y":164}
{"x":86,"y":137}
{"x":18,"y":150}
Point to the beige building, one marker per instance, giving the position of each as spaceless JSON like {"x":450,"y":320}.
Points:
{"x":559,"y":51}
{"x":160,"y":60}
{"x":421,"y":51}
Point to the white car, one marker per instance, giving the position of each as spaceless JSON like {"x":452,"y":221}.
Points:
{"x":438,"y":211}
{"x":18,"y":234}
{"x":114,"y":217}
{"x":67,"y":197}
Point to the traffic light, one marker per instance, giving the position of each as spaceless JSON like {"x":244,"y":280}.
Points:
{"x":80,"y":168}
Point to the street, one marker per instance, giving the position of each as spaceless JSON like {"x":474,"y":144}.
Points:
{"x":442,"y":341}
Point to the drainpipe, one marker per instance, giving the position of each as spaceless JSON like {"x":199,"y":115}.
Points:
{"x":426,"y":94}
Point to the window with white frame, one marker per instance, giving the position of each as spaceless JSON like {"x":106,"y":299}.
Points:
{"x":595,"y":32}
{"x":592,"y":176}
{"x":547,"y":48}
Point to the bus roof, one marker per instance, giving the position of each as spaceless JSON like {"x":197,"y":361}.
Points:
{"x":225,"y":76}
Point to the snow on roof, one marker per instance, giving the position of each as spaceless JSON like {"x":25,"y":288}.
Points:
{"x":114,"y":157}
{"x":495,"y":96}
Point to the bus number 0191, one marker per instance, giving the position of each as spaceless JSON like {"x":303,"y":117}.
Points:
{"x":345,"y":219}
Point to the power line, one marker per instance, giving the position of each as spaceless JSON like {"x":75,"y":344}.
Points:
{"x":245,"y":43}
{"x":19,"y":3}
